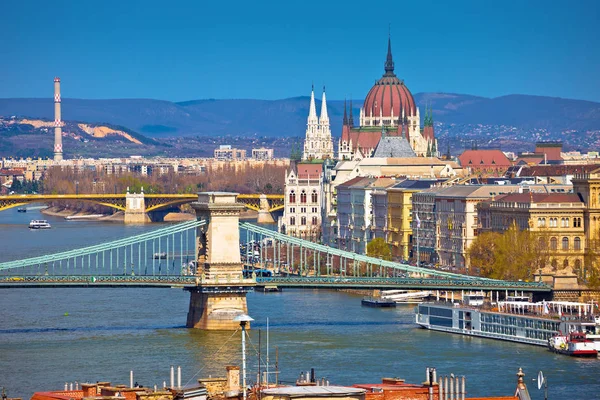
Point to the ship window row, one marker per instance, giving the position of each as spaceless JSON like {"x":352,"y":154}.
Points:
{"x":520,"y":322}
{"x":535,"y":334}
{"x":505,"y":330}
{"x":440,"y":312}
{"x":438,"y":321}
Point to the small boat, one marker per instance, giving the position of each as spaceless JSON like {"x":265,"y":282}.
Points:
{"x":21,"y":209}
{"x":575,"y":344}
{"x":39,"y":224}
{"x":371,"y":301}
{"x":160,"y":256}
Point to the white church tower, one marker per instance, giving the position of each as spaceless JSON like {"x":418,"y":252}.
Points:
{"x":318,"y":143}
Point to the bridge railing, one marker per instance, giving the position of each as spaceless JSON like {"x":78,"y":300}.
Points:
{"x":413,"y":283}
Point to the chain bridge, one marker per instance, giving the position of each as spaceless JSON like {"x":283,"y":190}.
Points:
{"x":166,"y":257}
{"x":199,"y":257}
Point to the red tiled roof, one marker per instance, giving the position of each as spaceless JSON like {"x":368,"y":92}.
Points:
{"x":484,"y":158}
{"x":306,"y":171}
{"x":557,"y":170}
{"x":351,"y":182}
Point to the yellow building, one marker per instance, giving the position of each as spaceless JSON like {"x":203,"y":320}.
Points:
{"x":587,"y":187}
{"x":556,"y":217}
{"x":399,"y":221}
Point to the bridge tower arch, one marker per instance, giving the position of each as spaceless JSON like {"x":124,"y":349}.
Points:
{"x":221,"y":293}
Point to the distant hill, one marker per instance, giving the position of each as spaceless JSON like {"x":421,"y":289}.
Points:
{"x":287,"y":117}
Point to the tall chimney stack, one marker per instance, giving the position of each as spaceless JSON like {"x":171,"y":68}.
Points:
{"x":58,"y":149}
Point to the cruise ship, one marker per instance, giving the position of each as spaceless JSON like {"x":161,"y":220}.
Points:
{"x":516,"y":319}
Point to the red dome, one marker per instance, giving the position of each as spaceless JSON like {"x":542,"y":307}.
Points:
{"x":389,"y":93}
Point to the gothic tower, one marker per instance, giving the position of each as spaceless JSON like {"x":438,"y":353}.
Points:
{"x":318,"y":143}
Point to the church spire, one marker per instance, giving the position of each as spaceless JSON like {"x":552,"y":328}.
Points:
{"x":351,"y":118}
{"x":345,"y":114}
{"x":312,"y":113}
{"x":324,"y":119}
{"x":389,"y":62}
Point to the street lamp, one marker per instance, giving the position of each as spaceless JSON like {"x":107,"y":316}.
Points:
{"x":243,"y":319}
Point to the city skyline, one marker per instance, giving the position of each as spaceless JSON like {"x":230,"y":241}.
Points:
{"x":272,"y":51}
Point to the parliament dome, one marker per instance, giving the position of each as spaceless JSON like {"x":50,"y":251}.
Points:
{"x":389,"y":96}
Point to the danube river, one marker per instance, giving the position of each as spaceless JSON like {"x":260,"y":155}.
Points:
{"x":52,"y":336}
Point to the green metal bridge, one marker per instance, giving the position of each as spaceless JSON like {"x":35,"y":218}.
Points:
{"x":165,"y":257}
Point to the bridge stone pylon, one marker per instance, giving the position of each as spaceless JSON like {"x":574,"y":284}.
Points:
{"x":221,"y":293}
{"x":135,"y":209}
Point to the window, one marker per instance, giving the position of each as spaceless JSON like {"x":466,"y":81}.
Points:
{"x":554,"y":264}
{"x":303,"y":221}
{"x":565,"y":222}
{"x":303,"y":210}
{"x":553,"y":243}
{"x":314,"y":209}
{"x":577,"y":243}
{"x":303,"y":197}
{"x":313,"y":196}
{"x":292,"y":220}
{"x":541,"y":222}
{"x":553,"y":222}
{"x":576,"y":222}
{"x":292,"y":196}
{"x":314,"y":221}
{"x":292,"y":210}
{"x":565,"y":243}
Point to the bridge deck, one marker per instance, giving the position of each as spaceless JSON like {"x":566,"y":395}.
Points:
{"x":189,"y":282}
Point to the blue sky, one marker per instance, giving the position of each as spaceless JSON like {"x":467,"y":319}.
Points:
{"x":176,"y":50}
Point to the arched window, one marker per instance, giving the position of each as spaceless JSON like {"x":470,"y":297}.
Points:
{"x":314,"y":220}
{"x":303,"y":196}
{"x":314,"y":196}
{"x":553,"y":243}
{"x":566,"y":222}
{"x":541,"y":222}
{"x":303,"y":221}
{"x":577,"y":243}
{"x":565,"y":243}
{"x":292,"y":220}
{"x":292,"y":196}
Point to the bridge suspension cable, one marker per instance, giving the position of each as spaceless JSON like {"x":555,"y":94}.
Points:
{"x":126,"y":256}
{"x":344,"y":256}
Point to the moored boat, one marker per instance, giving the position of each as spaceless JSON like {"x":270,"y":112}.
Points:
{"x":39,"y":224}
{"x":371,"y":301}
{"x":575,"y":344}
{"x":515,"y":320}
{"x":21,"y":209}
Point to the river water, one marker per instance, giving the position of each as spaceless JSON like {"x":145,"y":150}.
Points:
{"x":56,"y":335}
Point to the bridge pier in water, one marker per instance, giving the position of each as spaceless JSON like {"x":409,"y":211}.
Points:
{"x":135,"y":208}
{"x":221,"y":294}
{"x":264,"y":215}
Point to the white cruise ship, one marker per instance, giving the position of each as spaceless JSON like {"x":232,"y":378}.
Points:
{"x":515,"y":320}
